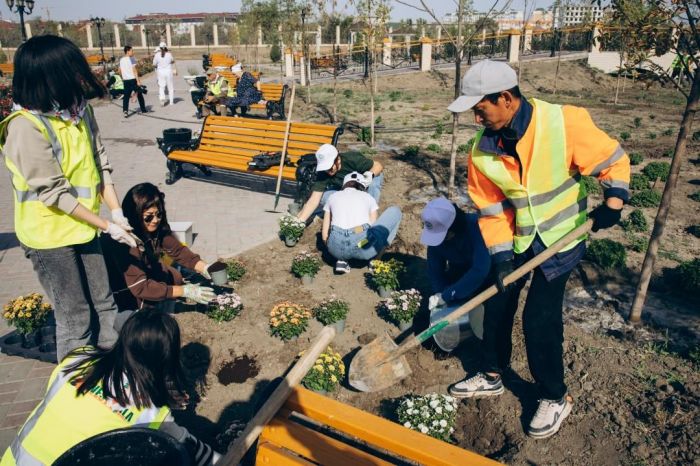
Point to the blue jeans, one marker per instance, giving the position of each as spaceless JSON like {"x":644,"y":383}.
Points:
{"x":374,"y":189}
{"x":342,"y":243}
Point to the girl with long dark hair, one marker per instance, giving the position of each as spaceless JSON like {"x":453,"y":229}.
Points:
{"x":94,"y":390}
{"x":139,"y":275}
{"x":60,"y":175}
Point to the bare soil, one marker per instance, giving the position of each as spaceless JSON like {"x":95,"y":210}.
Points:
{"x":636,"y":390}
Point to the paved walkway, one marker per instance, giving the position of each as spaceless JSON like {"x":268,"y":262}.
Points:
{"x":227,"y":221}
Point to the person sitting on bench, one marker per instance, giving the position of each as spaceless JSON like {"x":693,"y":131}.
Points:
{"x":331,"y":169}
{"x":247,"y":91}
{"x":351,"y":229}
{"x":95,"y":390}
{"x":138,"y":276}
{"x":216,"y":98}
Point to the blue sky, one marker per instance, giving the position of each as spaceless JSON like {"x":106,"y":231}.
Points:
{"x":118,"y":10}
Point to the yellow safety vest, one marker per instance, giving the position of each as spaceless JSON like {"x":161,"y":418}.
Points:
{"x":64,"y":419}
{"x":37,"y":225}
{"x":118,"y":83}
{"x":215,"y":87}
{"x":554,"y":201}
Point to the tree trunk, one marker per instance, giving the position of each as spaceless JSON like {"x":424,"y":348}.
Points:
{"x":660,"y":222}
{"x":453,"y":156}
{"x":556,"y":73}
{"x":335,"y":98}
{"x":459,"y":50}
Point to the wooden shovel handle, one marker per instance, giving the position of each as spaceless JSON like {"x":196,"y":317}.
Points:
{"x":491,"y":291}
{"x":277,"y":399}
{"x":286,"y":141}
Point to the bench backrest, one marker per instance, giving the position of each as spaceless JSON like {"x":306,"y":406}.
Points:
{"x":7,"y":68}
{"x":272,"y":91}
{"x":219,"y":59}
{"x":290,"y":439}
{"x":93,"y":59}
{"x":233,"y":79}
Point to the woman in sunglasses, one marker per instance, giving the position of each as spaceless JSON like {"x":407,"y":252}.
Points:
{"x":138,"y":275}
{"x":351,"y":228}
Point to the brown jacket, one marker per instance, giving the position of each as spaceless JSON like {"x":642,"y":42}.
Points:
{"x":135,"y":282}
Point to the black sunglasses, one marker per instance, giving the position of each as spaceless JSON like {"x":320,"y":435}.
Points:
{"x":149,"y":218}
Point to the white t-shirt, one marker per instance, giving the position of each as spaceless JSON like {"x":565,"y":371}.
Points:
{"x":164,"y":63}
{"x":126,"y":67}
{"x":350,"y":208}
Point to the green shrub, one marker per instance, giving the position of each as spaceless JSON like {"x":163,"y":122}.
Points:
{"x":439,"y":129}
{"x":347,"y":93}
{"x":365,"y":134}
{"x":637,"y":243}
{"x":667,"y":132}
{"x":434,"y":147}
{"x":637,"y":122}
{"x":638,"y":182}
{"x":235,"y":270}
{"x":635,"y":221}
{"x":463,"y":148}
{"x":667,"y":153}
{"x":395,"y":95}
{"x":378,"y":120}
{"x":606,"y":253}
{"x":688,"y":274}
{"x":624,"y":135}
{"x":695,"y":196}
{"x":411,"y":151}
{"x":636,"y":158}
{"x":275,"y":53}
{"x":657,"y":171}
{"x":694,"y":230}
{"x":646,"y":198}
{"x":651,"y":135}
{"x":591,"y":184}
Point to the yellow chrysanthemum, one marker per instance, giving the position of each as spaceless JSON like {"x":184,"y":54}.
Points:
{"x":331,"y":367}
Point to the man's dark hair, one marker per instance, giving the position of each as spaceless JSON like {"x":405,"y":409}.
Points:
{"x":51,"y":70}
{"x":127,"y":48}
{"x":142,"y":368}
{"x":354,"y":184}
{"x":493,"y":98}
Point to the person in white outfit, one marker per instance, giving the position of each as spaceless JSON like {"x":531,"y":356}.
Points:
{"x":165,"y":69}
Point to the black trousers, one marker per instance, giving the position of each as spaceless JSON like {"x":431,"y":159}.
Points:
{"x":542,"y":326}
{"x":129,"y":87}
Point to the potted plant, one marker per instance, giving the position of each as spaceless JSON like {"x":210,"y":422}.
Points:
{"x":288,"y":320}
{"x":385,"y":275}
{"x":306,"y":265}
{"x":291,"y":229}
{"x":433,"y":414}
{"x":235,"y":269}
{"x":225,"y":307}
{"x":401,"y":306}
{"x":325,"y":375}
{"x":332,"y":311}
{"x":27,"y":314}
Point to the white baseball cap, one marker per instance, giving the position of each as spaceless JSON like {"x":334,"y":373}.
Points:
{"x":163,"y":45}
{"x":354,"y":176}
{"x":236,"y":68}
{"x":325,"y":156}
{"x":484,"y":78}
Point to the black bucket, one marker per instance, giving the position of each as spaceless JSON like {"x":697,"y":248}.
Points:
{"x":177,"y":136}
{"x":123,"y":447}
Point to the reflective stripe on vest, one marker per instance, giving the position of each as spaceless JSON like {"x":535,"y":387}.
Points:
{"x":74,"y":147}
{"x":215,"y":87}
{"x":554,"y":200}
{"x":37,"y":443}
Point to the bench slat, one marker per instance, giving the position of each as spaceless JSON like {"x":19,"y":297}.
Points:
{"x":270,"y":454}
{"x":274,"y":135}
{"x":258,"y":139}
{"x":316,"y":446}
{"x":249,"y":149}
{"x":381,"y":432}
{"x":272,"y":125}
{"x":228,"y":162}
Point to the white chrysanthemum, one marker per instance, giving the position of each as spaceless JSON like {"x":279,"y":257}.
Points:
{"x":424,"y":430}
{"x":438,"y":410}
{"x":407,"y":424}
{"x":443,"y":423}
{"x":449,"y":408}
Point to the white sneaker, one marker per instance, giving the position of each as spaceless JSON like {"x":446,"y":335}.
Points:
{"x":342,"y":267}
{"x":549,"y":416}
{"x":477,"y":386}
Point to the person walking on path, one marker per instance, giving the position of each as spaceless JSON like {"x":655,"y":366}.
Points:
{"x":524,"y":176}
{"x":132,"y":81}
{"x":458,"y":261}
{"x":96,"y":390}
{"x":351,"y":229}
{"x":139,"y":276}
{"x":165,"y":69}
{"x":247,"y":91}
{"x":331,"y":169}
{"x":60,"y":171}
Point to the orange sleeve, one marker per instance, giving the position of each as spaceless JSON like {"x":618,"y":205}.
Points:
{"x":496,"y":215}
{"x":595,"y":153}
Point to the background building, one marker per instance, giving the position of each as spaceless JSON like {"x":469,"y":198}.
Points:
{"x":180,"y":22}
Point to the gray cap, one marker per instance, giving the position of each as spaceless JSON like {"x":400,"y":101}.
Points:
{"x":484,"y":78}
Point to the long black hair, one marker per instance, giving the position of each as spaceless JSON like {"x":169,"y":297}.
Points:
{"x":137,"y":200}
{"x":143,"y":367}
{"x":52,"y":71}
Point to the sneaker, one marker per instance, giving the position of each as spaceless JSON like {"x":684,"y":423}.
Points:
{"x":549,"y":416}
{"x":477,"y":386}
{"x":342,"y":267}
{"x":126,"y":114}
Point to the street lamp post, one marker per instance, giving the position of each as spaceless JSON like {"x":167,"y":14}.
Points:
{"x":304,"y":12}
{"x":22,"y":7}
{"x":99,"y":22}
{"x":148,"y":46}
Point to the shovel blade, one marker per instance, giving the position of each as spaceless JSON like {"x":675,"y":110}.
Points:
{"x":373,"y":368}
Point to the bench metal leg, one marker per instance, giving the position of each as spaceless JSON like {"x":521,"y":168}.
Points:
{"x":174,"y":172}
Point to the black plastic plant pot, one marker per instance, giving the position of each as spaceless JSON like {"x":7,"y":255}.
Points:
{"x":177,"y":136}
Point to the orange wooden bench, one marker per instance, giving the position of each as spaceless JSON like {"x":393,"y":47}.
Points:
{"x":274,"y":94}
{"x":228,"y":144}
{"x":221,"y":60}
{"x":7,"y":69}
{"x":94,"y":60}
{"x":311,"y":429}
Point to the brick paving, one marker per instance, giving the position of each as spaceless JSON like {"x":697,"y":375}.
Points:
{"x":227,"y":221}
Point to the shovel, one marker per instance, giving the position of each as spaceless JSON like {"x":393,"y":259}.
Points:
{"x":284,"y":147}
{"x":382,"y":363}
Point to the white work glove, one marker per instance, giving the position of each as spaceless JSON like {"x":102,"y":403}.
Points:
{"x":205,"y":273}
{"x":435,"y":301}
{"x":120,"y":234}
{"x":369,"y":176}
{"x":198,"y":294}
{"x":119,"y":219}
